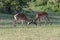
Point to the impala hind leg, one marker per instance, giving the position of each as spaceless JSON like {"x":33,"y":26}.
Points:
{"x":47,"y":21}
{"x":14,"y":21}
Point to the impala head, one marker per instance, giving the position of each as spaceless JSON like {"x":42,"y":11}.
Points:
{"x":32,"y":22}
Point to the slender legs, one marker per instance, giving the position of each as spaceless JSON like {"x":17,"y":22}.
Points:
{"x":14,"y":21}
{"x":46,"y":19}
{"x":38,"y":21}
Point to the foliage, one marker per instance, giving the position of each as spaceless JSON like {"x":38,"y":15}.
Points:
{"x":14,"y":6}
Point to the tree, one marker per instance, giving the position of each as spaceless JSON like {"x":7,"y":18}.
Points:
{"x":12,"y":5}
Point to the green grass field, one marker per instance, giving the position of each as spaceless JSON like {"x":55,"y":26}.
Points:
{"x":28,"y":32}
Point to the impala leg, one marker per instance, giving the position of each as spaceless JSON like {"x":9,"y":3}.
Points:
{"x":14,"y":22}
{"x":22,"y":21}
{"x":38,"y":21}
{"x":47,"y":19}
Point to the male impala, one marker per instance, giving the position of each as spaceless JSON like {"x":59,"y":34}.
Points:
{"x":22,"y":17}
{"x":44,"y":14}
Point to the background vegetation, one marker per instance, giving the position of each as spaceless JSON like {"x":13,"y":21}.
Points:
{"x":13,"y":6}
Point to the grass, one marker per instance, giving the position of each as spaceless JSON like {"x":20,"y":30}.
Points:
{"x":30,"y":32}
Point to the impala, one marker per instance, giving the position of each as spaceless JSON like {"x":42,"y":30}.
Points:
{"x":20,"y":16}
{"x":42,"y":14}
